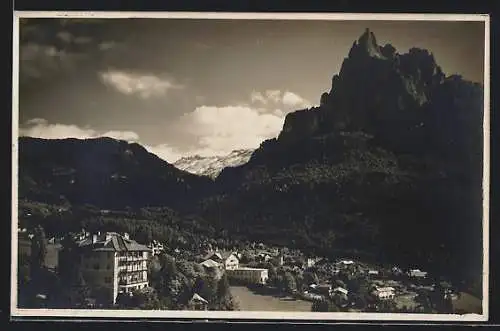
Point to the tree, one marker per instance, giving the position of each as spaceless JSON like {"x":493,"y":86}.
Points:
{"x":248,"y":258}
{"x":146,"y":298}
{"x":272,"y":276}
{"x":300,"y":284}
{"x":339,"y":283}
{"x":224,"y":297}
{"x":144,"y":233}
{"x":290,"y":283}
{"x":78,"y":291}
{"x":38,"y":249}
{"x":424,"y":302}
{"x":324,"y":305}
{"x":311,"y":278}
{"x":223,"y":287}
{"x":441,"y":300}
{"x":23,"y":271}
{"x":206,"y":287}
{"x":387,"y":306}
{"x":67,"y":268}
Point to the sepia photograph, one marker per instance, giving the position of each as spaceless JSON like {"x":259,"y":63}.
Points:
{"x":250,"y":166}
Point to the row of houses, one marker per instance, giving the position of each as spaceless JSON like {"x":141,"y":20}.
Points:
{"x":228,"y":263}
{"x":350,"y":264}
{"x":327,"y":290}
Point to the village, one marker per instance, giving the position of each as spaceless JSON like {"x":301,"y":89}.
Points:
{"x":260,"y":274}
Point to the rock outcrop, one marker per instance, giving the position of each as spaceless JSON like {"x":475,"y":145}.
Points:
{"x":392,"y":154}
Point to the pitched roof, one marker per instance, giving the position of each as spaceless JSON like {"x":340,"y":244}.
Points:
{"x":219,"y":255}
{"x":112,"y":242}
{"x":384,"y":289}
{"x":227,"y":254}
{"x":197,"y":297}
{"x":341,"y":289}
{"x":209,"y":263}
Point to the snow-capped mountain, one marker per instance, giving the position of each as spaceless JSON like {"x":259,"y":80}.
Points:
{"x":212,"y":166}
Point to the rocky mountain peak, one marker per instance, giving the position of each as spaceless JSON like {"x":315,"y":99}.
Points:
{"x":366,"y":45}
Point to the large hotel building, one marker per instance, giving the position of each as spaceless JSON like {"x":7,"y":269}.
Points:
{"x":113,"y":263}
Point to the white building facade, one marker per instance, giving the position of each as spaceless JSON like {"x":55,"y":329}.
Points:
{"x":384,"y":293}
{"x":248,"y":275}
{"x":113,"y":264}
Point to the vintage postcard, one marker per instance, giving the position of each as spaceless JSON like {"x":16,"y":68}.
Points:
{"x":288,"y":167}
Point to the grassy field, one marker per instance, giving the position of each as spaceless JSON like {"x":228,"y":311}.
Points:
{"x":467,"y":303}
{"x":251,"y":301}
{"x":24,"y":247}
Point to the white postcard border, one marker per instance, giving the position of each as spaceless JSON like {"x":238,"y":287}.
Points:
{"x":249,"y":315}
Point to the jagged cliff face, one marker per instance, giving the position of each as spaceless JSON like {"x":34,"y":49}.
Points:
{"x":392,"y":155}
{"x":375,"y":88}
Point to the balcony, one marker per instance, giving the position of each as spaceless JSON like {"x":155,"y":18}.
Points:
{"x":130,"y":270}
{"x":132,"y":258}
{"x":125,"y":282}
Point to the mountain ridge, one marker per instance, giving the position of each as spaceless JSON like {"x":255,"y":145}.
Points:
{"x":212,"y":166}
{"x":102,"y":171}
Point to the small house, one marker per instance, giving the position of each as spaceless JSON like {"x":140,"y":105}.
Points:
{"x":417,"y":273}
{"x":384,"y":293}
{"x":155,"y":246}
{"x":396,"y":270}
{"x":198,"y":303}
{"x":311,"y":261}
{"x":346,"y":262}
{"x":228,"y":259}
{"x":210,"y":264}
{"x":341,"y":292}
{"x":313,"y":286}
{"x":263,"y":257}
{"x":279,"y":260}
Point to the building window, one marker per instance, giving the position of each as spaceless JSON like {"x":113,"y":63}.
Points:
{"x":96,"y":266}
{"x":108,"y":266}
{"x":107,"y":280}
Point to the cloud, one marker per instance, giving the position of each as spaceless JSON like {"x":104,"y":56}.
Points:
{"x":41,"y":128}
{"x":37,"y":60}
{"x":273,"y":95}
{"x":294,"y":100}
{"x":258,"y":97}
{"x":107,"y":45}
{"x":129,"y":136}
{"x":220,"y":130}
{"x":166,"y":152}
{"x":65,"y":36}
{"x":144,"y":85}
{"x":276,"y":98}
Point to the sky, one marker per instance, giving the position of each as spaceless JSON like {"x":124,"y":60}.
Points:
{"x":183,"y":87}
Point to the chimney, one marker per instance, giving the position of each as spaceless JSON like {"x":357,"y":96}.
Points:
{"x":94,"y":238}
